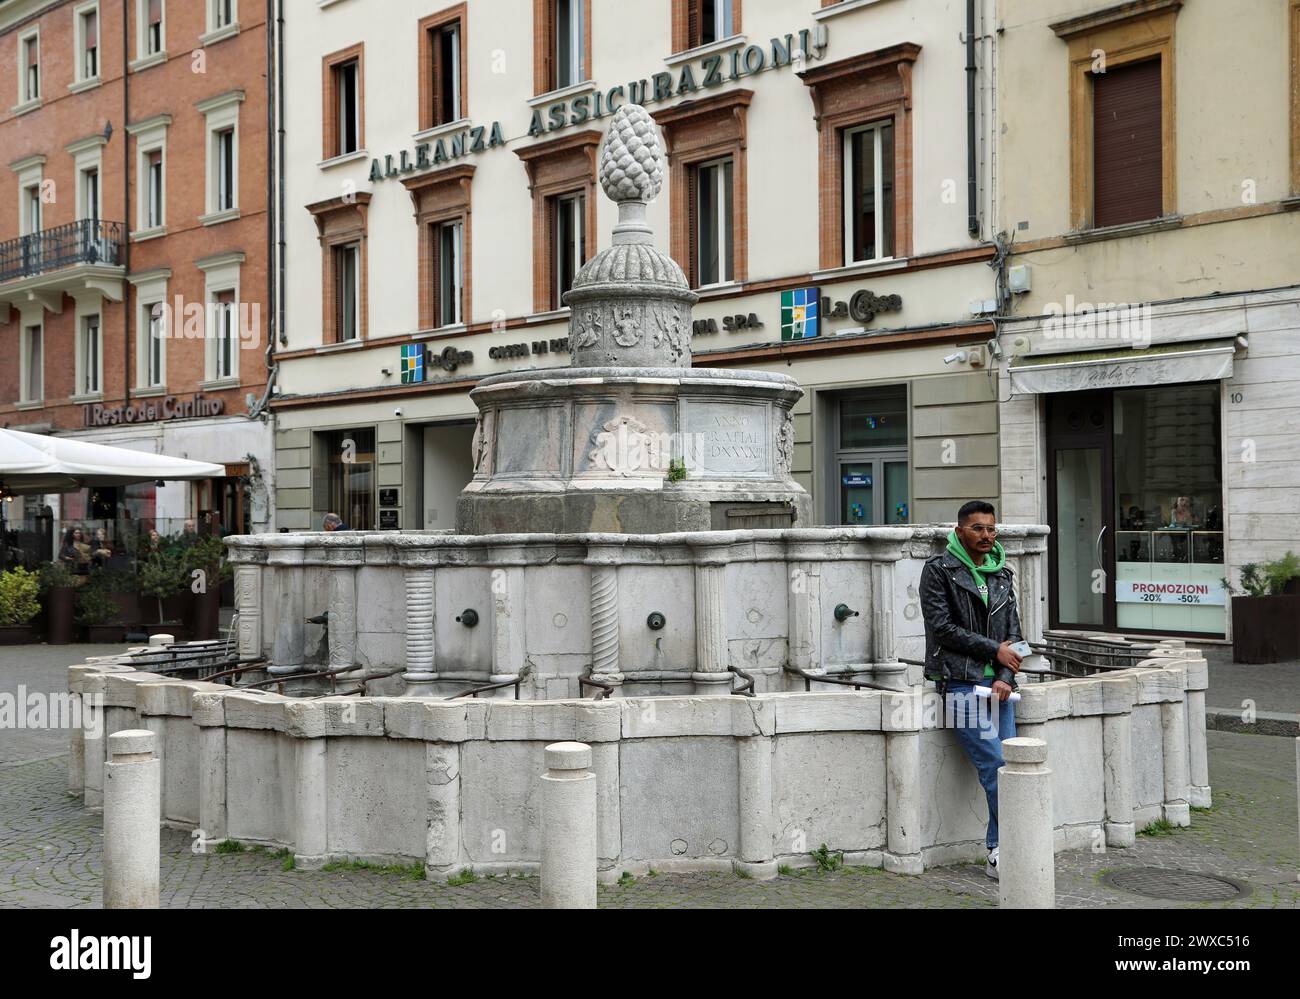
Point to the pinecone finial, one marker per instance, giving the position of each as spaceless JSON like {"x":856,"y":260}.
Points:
{"x":631,"y":161}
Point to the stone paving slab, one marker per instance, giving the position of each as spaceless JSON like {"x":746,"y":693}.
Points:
{"x":50,"y":856}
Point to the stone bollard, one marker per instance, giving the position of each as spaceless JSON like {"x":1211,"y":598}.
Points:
{"x":1297,"y":785}
{"x":132,"y":788}
{"x":1026,"y":861}
{"x":156,"y":641}
{"x":568,"y":828}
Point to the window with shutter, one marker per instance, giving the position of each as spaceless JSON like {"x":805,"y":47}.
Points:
{"x":1127,"y":154}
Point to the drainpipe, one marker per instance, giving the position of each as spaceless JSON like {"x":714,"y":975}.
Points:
{"x":274,"y":183}
{"x":126,"y":201}
{"x":972,"y":214}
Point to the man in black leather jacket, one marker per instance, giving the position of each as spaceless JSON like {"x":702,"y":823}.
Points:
{"x":969,"y":604}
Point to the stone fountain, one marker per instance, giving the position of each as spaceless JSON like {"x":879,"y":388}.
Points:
{"x":631,"y":439}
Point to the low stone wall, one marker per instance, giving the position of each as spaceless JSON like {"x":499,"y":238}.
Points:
{"x":551,"y":609}
{"x":684,"y":783}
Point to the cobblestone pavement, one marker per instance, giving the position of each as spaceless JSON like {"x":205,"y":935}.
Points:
{"x":50,"y":857}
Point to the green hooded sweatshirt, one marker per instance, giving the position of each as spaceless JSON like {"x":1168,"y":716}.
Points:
{"x":993,"y":562}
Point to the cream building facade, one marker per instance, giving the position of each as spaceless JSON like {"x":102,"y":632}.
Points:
{"x":829,"y":163}
{"x":1149,"y":167}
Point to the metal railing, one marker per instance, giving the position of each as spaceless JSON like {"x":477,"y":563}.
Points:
{"x":809,"y":678}
{"x":86,"y":241}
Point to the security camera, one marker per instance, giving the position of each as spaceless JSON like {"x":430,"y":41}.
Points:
{"x":397,"y":411}
{"x":959,"y":358}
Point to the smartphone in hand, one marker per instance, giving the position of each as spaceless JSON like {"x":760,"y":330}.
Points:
{"x":1022,"y":649}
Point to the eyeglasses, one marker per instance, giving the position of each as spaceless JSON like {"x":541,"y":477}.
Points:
{"x":982,"y":529}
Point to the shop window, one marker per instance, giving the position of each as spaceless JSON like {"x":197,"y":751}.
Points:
{"x":1121,"y":126}
{"x":562,"y":178}
{"x":349,"y":477}
{"x":868,"y":171}
{"x":562,"y":43}
{"x":870,"y":463}
{"x":863,"y":109}
{"x":344,"y":102}
{"x":443,"y":73}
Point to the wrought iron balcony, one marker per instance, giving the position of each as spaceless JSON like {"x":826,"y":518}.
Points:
{"x":86,"y":241}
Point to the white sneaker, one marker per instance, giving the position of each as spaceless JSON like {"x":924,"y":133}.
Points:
{"x":991,"y":865}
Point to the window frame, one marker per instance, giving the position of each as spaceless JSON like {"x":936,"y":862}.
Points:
{"x":221,"y":116}
{"x":558,"y":167}
{"x":331,"y":111}
{"x":150,"y":137}
{"x":1136,"y":38}
{"x":26,"y":393}
{"x":877,"y":172}
{"x":546,"y":70}
{"x":439,"y":198}
{"x":84,"y":370}
{"x":698,"y":133}
{"x":221,"y":320}
{"x":31,"y":202}
{"x":725,"y":224}
{"x":25,"y":96}
{"x":352,"y":250}
{"x":340,"y":222}
{"x":557,"y":205}
{"x":854,"y":91}
{"x":80,"y":14}
{"x":431,"y":29}
{"x":454,"y":295}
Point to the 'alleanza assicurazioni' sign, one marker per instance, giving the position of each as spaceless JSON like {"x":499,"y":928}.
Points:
{"x":705,"y":73}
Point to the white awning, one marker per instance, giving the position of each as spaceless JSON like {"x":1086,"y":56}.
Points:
{"x":1127,"y":368}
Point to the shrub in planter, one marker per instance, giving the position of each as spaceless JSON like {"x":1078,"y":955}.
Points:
{"x":1266,"y":617}
{"x":98,"y":612}
{"x":162,"y":576}
{"x":18,"y":605}
{"x":57,"y":586}
{"x":205,"y":569}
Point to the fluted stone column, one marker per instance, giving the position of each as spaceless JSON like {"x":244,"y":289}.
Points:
{"x":901,"y":719}
{"x":420,"y":580}
{"x":605,"y":665}
{"x":248,"y":603}
{"x":1118,"y":694}
{"x":711,"y":654}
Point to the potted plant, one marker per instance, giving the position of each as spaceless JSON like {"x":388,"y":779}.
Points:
{"x":1266,"y":616}
{"x":18,"y":605}
{"x":124,"y":590}
{"x":205,"y":569}
{"x":162,"y":576}
{"x":57,"y":587}
{"x":98,"y":613}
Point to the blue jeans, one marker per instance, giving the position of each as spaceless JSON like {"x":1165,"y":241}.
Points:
{"x":973,"y":719}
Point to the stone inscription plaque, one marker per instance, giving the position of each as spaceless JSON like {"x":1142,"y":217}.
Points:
{"x":723,"y":440}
